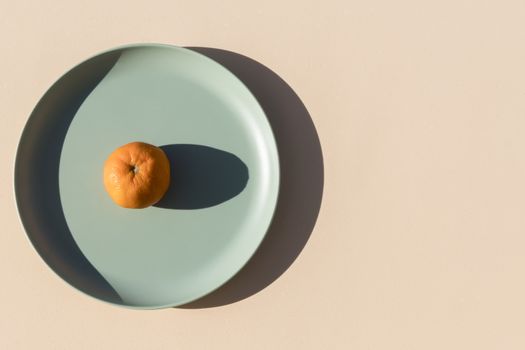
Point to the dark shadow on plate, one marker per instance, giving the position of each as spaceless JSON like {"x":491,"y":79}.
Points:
{"x":301,"y":186}
{"x":202,"y":177}
{"x":36,"y":176}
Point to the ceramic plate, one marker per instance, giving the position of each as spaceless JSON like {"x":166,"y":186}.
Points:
{"x":224,"y":185}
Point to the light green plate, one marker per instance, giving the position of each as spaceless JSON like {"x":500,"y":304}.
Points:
{"x":224,"y":186}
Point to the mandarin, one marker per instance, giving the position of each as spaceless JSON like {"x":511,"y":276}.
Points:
{"x":137,"y":175}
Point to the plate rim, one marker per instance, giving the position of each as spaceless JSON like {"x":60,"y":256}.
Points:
{"x":151,"y":45}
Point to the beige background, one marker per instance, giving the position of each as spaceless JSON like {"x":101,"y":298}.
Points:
{"x":420,"y":108}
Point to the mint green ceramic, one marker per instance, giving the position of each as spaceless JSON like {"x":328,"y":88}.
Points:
{"x":225,"y":176}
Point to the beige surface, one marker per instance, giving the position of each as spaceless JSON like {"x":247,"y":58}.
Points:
{"x":420,"y":107}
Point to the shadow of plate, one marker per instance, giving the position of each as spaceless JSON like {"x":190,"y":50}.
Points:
{"x":301,"y":185}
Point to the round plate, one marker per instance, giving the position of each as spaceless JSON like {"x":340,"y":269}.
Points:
{"x":224,"y":185}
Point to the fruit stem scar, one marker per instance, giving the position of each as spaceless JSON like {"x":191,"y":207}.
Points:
{"x":134,"y":168}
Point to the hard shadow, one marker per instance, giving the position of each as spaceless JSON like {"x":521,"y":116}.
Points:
{"x":36,"y":176}
{"x":301,"y":185}
{"x":202,"y":177}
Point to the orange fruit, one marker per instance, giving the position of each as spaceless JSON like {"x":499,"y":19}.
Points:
{"x":136,"y":175}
